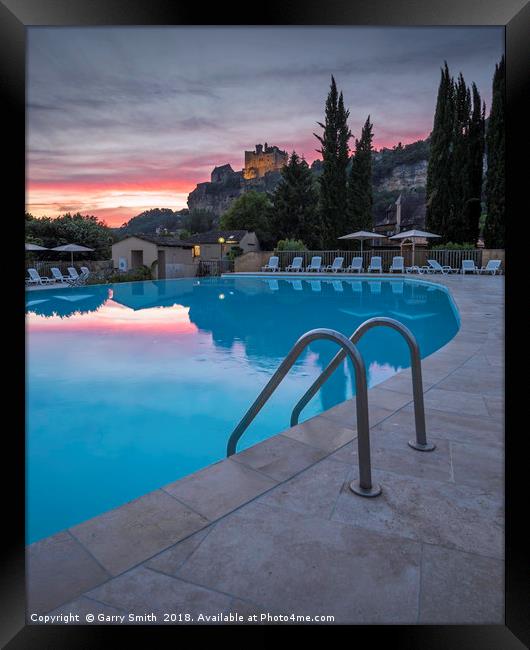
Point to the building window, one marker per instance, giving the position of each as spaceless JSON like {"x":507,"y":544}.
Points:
{"x":196,"y":251}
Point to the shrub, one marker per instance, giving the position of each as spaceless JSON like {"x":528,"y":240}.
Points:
{"x":453,"y":247}
{"x":291,"y":245}
{"x":134,"y":275}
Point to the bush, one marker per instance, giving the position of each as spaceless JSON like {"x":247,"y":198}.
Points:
{"x":134,"y":275}
{"x":291,"y":245}
{"x":234,"y":252}
{"x":450,"y":246}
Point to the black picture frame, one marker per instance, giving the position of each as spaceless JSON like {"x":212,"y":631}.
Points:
{"x":15,"y":17}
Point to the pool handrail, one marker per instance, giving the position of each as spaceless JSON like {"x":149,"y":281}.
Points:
{"x":363,"y":486}
{"x":420,"y":443}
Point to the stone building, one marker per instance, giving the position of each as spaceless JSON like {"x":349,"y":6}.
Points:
{"x":263,"y":160}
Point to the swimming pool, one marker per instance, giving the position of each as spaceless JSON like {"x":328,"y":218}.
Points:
{"x":131,"y":386}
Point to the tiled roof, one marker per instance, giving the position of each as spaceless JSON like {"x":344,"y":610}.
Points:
{"x":212,"y":236}
{"x":159,"y":240}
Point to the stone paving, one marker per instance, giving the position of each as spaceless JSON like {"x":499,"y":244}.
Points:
{"x":275,"y":529}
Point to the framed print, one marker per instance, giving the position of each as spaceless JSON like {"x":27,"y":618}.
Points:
{"x":266,"y":301}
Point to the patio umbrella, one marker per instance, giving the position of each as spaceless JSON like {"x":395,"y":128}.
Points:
{"x":35,"y":247}
{"x":72,"y":248}
{"x":362,"y":235}
{"x":413,"y":235}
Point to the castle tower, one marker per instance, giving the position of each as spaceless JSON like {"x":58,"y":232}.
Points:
{"x":263,"y":160}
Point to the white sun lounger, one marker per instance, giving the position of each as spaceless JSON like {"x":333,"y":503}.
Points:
{"x":58,"y":276}
{"x":375,"y":265}
{"x":468,"y":266}
{"x":295,"y":265}
{"x":493,"y":267}
{"x":272,"y":264}
{"x":336,"y":266}
{"x":398,"y":264}
{"x":80,"y":280}
{"x":35,"y":278}
{"x":436,"y":267}
{"x":315,"y":264}
{"x":356,"y":265}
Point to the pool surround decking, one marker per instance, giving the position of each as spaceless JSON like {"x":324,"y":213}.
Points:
{"x":276,"y":529}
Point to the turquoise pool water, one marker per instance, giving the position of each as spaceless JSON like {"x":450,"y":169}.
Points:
{"x":132,"y":386}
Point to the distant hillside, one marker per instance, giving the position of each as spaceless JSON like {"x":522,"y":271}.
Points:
{"x":147,"y":222}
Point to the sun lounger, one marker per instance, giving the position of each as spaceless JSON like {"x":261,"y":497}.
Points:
{"x":356,"y":265}
{"x":58,"y":276}
{"x":493,"y":267}
{"x":80,"y":280}
{"x":375,"y":265}
{"x":336,"y":266}
{"x":35,"y":278}
{"x":295,"y":265}
{"x":468,"y":266}
{"x":435,"y":267}
{"x":398,"y":264}
{"x":272,"y":264}
{"x":315,"y":264}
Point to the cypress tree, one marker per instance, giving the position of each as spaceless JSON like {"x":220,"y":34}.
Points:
{"x":295,"y":214}
{"x":494,"y":228}
{"x":360,"y":197}
{"x":458,"y":179}
{"x":438,"y":187}
{"x":334,"y":152}
{"x":474,"y":170}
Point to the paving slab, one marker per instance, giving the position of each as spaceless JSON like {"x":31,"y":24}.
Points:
{"x":125,"y":536}
{"x":460,"y":588}
{"x":390,"y":451}
{"x":307,"y":565}
{"x":453,"y":426}
{"x":59,"y":569}
{"x":280,"y":457}
{"x":455,"y":402}
{"x":220,"y":488}
{"x":327,"y":434}
{"x":478,"y":465}
{"x":173,"y":558}
{"x":142,"y":591}
{"x":436,"y":512}
{"x":313,"y":491}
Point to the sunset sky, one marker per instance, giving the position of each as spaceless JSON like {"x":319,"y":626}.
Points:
{"x":121,"y":120}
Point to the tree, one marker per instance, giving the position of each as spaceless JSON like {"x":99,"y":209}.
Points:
{"x":494,"y":227}
{"x":295,"y":214}
{"x":335,"y":153}
{"x":251,"y":211}
{"x":471,"y":210}
{"x":71,"y":229}
{"x":198,"y":220}
{"x":360,"y":197}
{"x":458,"y":181}
{"x":438,"y":186}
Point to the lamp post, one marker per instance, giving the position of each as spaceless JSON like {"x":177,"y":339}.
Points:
{"x":221,"y":241}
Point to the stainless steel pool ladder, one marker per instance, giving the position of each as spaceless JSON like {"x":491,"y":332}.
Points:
{"x":363,"y":486}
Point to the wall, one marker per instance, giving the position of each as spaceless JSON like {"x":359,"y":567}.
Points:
{"x":124,"y":248}
{"x":179,"y":262}
{"x":250,"y":243}
{"x":493,"y":254}
{"x":251,"y":261}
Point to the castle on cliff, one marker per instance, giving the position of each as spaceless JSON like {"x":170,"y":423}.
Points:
{"x":261,"y":173}
{"x":263,"y":160}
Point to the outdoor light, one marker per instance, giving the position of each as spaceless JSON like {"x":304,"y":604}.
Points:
{"x":221,"y":296}
{"x":221,"y":241}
